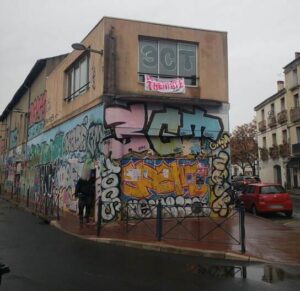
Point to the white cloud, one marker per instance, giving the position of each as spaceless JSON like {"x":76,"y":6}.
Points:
{"x":262,"y":37}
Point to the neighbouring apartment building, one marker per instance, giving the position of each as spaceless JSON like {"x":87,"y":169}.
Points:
{"x":278,"y":120}
{"x":145,"y":105}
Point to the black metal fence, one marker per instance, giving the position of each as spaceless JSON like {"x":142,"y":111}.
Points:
{"x":173,"y":222}
{"x":45,"y":206}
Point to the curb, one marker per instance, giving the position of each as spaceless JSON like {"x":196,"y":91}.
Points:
{"x":159,"y":247}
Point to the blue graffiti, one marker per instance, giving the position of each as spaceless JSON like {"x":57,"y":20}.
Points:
{"x":35,"y":130}
{"x":198,"y":124}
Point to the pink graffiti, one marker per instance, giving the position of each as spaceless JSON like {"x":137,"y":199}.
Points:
{"x":2,"y":145}
{"x":38,"y":108}
{"x":124,"y":122}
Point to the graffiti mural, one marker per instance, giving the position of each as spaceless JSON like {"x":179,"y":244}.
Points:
{"x":157,"y":178}
{"x":148,"y":132}
{"x":220,"y":183}
{"x":139,"y":127}
{"x":13,"y":138}
{"x":143,"y":153}
{"x":56,"y":157}
{"x":110,"y":193}
{"x":37,"y":112}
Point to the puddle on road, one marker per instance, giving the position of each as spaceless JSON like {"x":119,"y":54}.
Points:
{"x":260,"y":273}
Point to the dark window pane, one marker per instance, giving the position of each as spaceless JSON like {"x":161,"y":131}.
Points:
{"x":167,"y":58}
{"x":76,"y":80}
{"x":83,"y":72}
{"x":148,"y":57}
{"x":272,"y":189}
{"x":187,"y":60}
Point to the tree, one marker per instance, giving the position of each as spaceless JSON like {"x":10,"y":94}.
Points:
{"x":243,"y":145}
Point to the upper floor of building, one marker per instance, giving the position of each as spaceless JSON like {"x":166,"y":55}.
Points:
{"x":283,"y":107}
{"x":115,"y":61}
{"x":278,"y":117}
{"x":121,"y":53}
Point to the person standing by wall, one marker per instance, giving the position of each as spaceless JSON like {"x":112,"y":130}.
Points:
{"x":85,"y":192}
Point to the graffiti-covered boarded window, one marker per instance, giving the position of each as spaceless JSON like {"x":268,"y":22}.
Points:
{"x":168,"y":59}
{"x":78,"y":78}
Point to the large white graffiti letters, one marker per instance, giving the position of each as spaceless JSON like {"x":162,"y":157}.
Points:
{"x":75,"y":139}
{"x":94,"y":139}
{"x":171,"y":207}
{"x":220,"y":183}
{"x":110,"y":190}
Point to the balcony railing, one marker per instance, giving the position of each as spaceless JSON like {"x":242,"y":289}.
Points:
{"x":296,"y":149}
{"x":272,"y":121}
{"x":274,"y":152}
{"x":282,"y":116}
{"x":295,"y":114}
{"x":284,"y":150}
{"x":264,"y":154}
{"x":262,"y":125}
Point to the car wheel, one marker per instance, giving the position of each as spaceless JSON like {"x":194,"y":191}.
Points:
{"x":253,"y":210}
{"x":288,"y":213}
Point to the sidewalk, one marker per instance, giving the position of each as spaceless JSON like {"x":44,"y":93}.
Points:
{"x":265,"y":240}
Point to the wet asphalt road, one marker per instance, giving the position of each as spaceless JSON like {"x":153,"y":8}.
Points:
{"x":43,"y":258}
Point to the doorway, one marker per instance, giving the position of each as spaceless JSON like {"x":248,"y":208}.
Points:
{"x":277,"y":174}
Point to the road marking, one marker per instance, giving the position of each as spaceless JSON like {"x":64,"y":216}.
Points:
{"x":295,"y":197}
{"x":289,"y":222}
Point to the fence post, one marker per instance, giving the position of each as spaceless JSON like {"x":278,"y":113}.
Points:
{"x":57,"y":210}
{"x":127,"y":217}
{"x":242,"y":227}
{"x":159,"y":221}
{"x":46,"y":204}
{"x":27,"y":199}
{"x":99,"y":216}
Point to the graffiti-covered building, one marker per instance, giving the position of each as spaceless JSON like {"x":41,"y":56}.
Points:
{"x":146,"y":106}
{"x":23,"y":119}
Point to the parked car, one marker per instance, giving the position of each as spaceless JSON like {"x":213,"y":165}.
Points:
{"x":266,"y":197}
{"x":239,"y":182}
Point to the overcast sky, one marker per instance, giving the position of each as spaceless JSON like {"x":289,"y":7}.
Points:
{"x":263,"y":36}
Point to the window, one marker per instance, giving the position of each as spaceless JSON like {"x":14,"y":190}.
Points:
{"x":284,"y":136}
{"x":251,"y":190}
{"x":272,"y":112}
{"x":294,"y":78}
{"x":282,"y":104}
{"x":78,"y":78}
{"x":264,"y":142}
{"x":296,"y":100}
{"x":272,"y":189}
{"x":262,"y":114}
{"x":168,"y":59}
{"x":298,"y":134}
{"x":274,"y":140}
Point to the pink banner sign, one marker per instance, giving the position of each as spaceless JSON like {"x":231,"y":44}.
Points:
{"x":164,"y":85}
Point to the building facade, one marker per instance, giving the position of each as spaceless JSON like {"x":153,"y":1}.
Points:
{"x":278,"y":120}
{"x":144,"y":105}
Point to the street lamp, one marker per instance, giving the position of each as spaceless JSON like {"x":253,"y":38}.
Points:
{"x":82,"y":47}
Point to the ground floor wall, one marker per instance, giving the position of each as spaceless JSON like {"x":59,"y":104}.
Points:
{"x":56,"y":158}
{"x":274,"y":171}
{"x":143,"y":153}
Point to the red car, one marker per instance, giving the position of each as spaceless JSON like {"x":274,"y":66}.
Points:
{"x":265,"y":197}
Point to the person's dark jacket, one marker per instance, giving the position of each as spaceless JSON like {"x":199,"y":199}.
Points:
{"x":84,"y":188}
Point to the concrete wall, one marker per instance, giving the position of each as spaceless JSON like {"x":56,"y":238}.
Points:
{"x":56,"y":157}
{"x":142,"y":151}
{"x":212,"y":57}
{"x":150,"y":153}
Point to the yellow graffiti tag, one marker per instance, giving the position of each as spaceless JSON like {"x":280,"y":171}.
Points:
{"x":222,"y":143}
{"x":140,"y":180}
